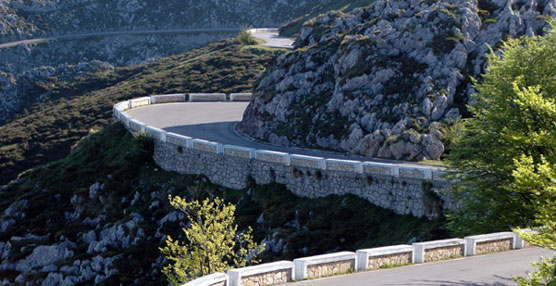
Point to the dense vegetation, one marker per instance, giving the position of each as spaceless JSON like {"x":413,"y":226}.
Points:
{"x":507,"y":150}
{"x":47,"y":130}
{"x":512,"y":126}
{"x":124,"y":166}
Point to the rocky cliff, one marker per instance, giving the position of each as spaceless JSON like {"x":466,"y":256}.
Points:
{"x":385,"y":81}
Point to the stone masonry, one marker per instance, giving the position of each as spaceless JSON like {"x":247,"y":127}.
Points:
{"x":444,"y":253}
{"x":493,"y":246}
{"x":378,"y":262}
{"x":399,"y":194}
{"x":269,"y":278}
{"x":330,"y":269}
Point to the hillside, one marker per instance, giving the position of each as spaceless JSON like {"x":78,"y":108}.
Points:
{"x":106,"y":226}
{"x":24,"y":19}
{"x":26,"y":64}
{"x":46,"y":130}
{"x":293,"y":27}
{"x":385,"y":81}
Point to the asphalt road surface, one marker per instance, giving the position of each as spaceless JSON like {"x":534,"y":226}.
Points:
{"x":484,"y":270}
{"x":274,"y":40}
{"x":216,"y":121}
{"x":117,"y":33}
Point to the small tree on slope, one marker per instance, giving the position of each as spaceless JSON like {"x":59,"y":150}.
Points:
{"x":213,"y":245}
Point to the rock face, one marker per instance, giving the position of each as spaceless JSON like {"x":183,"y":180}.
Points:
{"x":386,"y":80}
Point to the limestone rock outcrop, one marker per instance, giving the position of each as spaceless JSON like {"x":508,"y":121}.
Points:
{"x":385,"y":81}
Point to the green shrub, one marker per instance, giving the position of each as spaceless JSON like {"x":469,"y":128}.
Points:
{"x":245,"y":38}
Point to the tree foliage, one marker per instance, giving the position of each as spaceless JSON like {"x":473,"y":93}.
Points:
{"x":245,"y":37}
{"x":506,"y":153}
{"x":512,"y":131}
{"x":540,"y":180}
{"x":213,"y":242}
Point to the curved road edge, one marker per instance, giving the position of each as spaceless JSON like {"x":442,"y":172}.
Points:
{"x":269,"y":35}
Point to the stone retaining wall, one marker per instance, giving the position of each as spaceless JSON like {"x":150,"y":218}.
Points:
{"x":269,"y":278}
{"x":319,"y":266}
{"x":405,"y":190}
{"x":234,"y":169}
{"x":493,"y":246}
{"x":439,"y":250}
{"x":381,"y":261}
{"x":330,"y":269}
{"x":488,"y":243}
{"x":273,"y":273}
{"x":444,"y":253}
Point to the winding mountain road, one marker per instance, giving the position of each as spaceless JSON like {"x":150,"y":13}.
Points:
{"x":117,"y":33}
{"x":485,"y":270}
{"x":216,"y":121}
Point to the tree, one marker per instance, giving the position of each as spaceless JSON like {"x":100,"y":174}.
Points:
{"x":513,"y":123}
{"x":506,"y":154}
{"x":540,"y":179}
{"x":213,"y":243}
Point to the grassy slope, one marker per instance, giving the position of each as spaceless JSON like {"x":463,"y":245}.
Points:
{"x":294,"y":27}
{"x":124,"y":164}
{"x":47,"y":130}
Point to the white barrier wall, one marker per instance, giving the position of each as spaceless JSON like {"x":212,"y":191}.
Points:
{"x":324,"y":265}
{"x":415,"y":173}
{"x":439,"y":250}
{"x":180,"y":140}
{"x":241,"y":152}
{"x":375,"y":258}
{"x":265,"y":274}
{"x":272,"y":157}
{"x":155,"y":133}
{"x":168,"y":98}
{"x":379,"y":169}
{"x":138,"y":102}
{"x":216,"y":279}
{"x":486,"y":243}
{"x":307,"y":161}
{"x":241,"y":96}
{"x":210,"y":97}
{"x":263,"y":30}
{"x":344,"y":165}
{"x":207,"y":146}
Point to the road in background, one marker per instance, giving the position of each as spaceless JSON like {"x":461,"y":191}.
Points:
{"x":117,"y":33}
